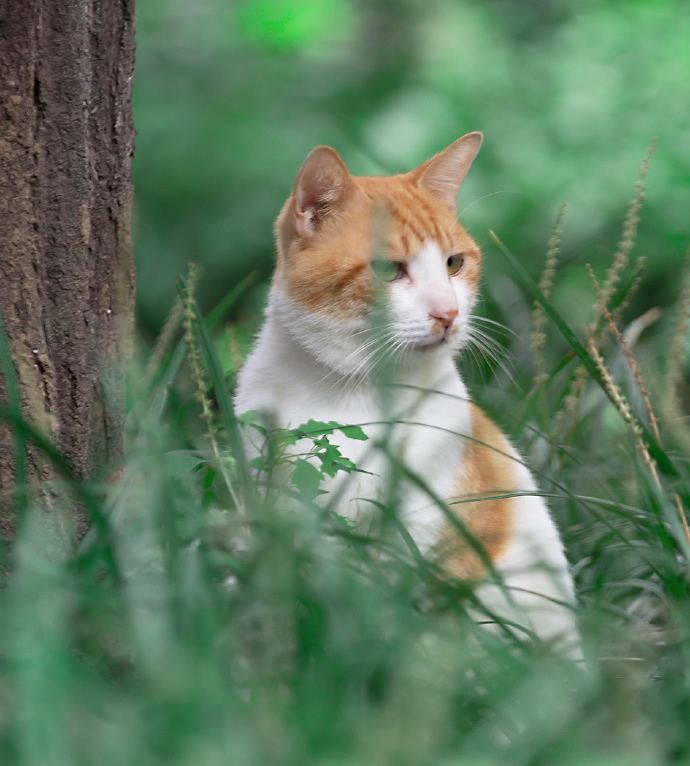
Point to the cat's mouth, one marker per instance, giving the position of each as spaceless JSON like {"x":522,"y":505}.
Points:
{"x":426,"y":344}
{"x":439,"y":338}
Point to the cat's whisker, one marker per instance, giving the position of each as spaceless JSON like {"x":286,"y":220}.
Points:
{"x":363,"y":369}
{"x":362,"y":373}
{"x":393,"y":345}
{"x":488,"y":343}
{"x":489,"y":340}
{"x":378,"y":336}
{"x":358,"y":350}
{"x":471,"y":349}
{"x":505,"y":330}
{"x":387,"y":351}
{"x":373,"y":329}
{"x":486,"y":196}
{"x":392,"y":350}
{"x":493,"y":351}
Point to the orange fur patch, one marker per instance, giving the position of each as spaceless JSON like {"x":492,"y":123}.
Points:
{"x":487,"y":471}
{"x":329,"y":270}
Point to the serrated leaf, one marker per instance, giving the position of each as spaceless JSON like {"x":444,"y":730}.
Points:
{"x":353,"y":432}
{"x":307,"y":479}
{"x":289,"y":437}
{"x":329,"y":457}
{"x":345,"y":464}
{"x":316,"y":428}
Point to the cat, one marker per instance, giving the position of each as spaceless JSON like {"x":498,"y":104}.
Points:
{"x":376,"y":273}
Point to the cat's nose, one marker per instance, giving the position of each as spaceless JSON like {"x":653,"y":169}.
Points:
{"x":445,"y":317}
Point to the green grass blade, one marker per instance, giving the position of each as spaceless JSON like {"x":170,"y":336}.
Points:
{"x":531,"y":287}
{"x":215,"y":372}
{"x":171,"y":367}
{"x":99,"y":543}
{"x":14,"y":405}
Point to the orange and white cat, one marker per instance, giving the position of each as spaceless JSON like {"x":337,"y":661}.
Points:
{"x":344,"y":243}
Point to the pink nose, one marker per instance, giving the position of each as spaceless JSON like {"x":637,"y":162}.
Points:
{"x":445,"y":317}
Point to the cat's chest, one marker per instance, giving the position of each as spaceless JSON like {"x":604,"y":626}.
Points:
{"x":408,"y":423}
{"x":414,"y":436}
{"x":415,"y":429}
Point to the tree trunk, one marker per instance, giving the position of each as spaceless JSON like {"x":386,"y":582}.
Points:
{"x":66,"y":273}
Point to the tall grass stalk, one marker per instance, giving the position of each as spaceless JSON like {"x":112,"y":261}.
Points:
{"x":187,"y":632}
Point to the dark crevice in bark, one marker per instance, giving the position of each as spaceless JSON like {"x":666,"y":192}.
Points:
{"x":66,"y":142}
{"x":37,"y":92}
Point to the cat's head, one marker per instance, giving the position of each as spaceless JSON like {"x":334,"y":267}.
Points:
{"x":347,"y":245}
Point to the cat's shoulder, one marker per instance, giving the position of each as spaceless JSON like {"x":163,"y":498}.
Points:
{"x":481,"y":500}
{"x":489,"y":457}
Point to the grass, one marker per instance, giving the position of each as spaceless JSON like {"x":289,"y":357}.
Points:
{"x":201,"y":621}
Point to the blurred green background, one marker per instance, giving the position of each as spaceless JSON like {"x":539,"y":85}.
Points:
{"x":229,"y":97}
{"x":189,"y":633}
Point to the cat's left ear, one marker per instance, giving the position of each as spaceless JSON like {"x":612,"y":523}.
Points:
{"x":443,"y":174}
{"x":322,"y":184}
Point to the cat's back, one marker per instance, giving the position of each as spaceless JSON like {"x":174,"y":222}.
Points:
{"x":501,"y":522}
{"x":484,"y":476}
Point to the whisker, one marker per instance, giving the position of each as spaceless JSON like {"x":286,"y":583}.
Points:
{"x":493,"y":322}
{"x":373,"y":329}
{"x":495,"y":354}
{"x":486,"y":196}
{"x":363,"y":347}
{"x":365,"y":366}
{"x":488,"y":342}
{"x":484,"y":334}
{"x":476,"y":358}
{"x":393,"y":346}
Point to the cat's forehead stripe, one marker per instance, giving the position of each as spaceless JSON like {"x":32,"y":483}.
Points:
{"x":405,"y":223}
{"x":415,"y":221}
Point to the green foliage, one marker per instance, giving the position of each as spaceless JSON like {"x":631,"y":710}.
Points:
{"x":193,"y":627}
{"x":218,"y":611}
{"x":230,"y":98}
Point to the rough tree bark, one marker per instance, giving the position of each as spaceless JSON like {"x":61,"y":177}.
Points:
{"x":66,"y":274}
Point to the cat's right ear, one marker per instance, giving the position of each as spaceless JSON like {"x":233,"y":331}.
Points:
{"x":322,"y":184}
{"x":443,"y":174}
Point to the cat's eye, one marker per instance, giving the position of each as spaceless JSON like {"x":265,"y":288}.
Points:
{"x":388,"y":271}
{"x":454,"y":263}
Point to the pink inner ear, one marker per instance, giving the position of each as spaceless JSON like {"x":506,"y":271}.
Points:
{"x":321,"y":183}
{"x":443,"y":174}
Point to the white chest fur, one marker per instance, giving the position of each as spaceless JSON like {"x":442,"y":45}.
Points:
{"x":418,"y":423}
